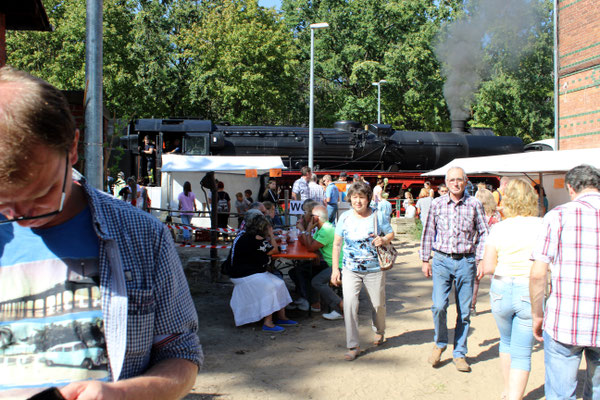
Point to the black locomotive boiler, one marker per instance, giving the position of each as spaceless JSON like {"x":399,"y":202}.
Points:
{"x":346,"y":146}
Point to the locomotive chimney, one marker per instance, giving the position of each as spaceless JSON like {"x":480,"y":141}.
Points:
{"x":458,"y":126}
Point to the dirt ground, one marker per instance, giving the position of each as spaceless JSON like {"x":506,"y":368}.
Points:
{"x":306,"y":362}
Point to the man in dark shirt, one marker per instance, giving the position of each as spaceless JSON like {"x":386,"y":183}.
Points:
{"x":149,"y":159}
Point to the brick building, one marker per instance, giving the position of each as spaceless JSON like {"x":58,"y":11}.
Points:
{"x":579,"y":74}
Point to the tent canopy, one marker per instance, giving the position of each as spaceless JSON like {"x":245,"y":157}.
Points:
{"x":235,"y":164}
{"x":523,"y":163}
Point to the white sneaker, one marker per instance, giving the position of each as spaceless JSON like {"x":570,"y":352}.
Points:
{"x":302,"y":304}
{"x":332,"y":316}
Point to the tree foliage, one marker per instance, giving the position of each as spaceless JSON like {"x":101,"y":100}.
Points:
{"x":244,"y":64}
{"x":516,"y":99}
{"x":232,"y":60}
{"x":370,"y":40}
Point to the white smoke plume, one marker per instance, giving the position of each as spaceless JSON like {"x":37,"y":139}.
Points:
{"x":463,"y":44}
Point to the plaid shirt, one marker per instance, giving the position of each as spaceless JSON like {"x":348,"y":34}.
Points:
{"x":570,"y":241}
{"x":148,"y":312}
{"x":301,"y":189}
{"x":316,"y":192}
{"x":451,"y":227}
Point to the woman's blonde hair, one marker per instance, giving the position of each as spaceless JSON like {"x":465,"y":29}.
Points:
{"x":520,"y":199}
{"x":487,"y":199}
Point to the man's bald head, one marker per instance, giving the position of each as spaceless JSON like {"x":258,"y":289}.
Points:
{"x":32,"y":113}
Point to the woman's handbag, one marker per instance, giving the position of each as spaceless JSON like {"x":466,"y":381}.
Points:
{"x":386,"y":254}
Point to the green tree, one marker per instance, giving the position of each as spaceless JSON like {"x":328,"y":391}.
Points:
{"x":369,"y":40}
{"x":243,"y":64}
{"x":516,"y":99}
{"x":163,"y":72}
{"x":59,"y":56}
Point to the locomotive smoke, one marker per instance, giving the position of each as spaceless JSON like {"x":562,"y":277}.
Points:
{"x":501,"y":26}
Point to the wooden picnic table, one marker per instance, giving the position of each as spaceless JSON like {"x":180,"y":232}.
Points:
{"x":296,"y":251}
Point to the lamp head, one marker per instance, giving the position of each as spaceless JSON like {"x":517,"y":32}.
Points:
{"x":320,"y":25}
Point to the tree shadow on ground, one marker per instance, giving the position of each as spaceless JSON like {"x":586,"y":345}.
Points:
{"x":488,"y":354}
{"x":202,"y":396}
{"x":535,"y":394}
{"x":409,"y":338}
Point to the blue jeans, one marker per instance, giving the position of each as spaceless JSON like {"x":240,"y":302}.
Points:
{"x":332,"y":212}
{"x":562,"y":362}
{"x":187,"y":220}
{"x":445,"y":271}
{"x":511,"y":308}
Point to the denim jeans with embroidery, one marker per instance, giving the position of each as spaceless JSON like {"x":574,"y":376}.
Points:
{"x":511,"y":308}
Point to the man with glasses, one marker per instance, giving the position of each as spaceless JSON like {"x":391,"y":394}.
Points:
{"x":455,"y":230}
{"x":82,"y":270}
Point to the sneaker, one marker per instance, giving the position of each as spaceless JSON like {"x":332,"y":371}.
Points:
{"x":436,"y":356}
{"x":284,"y":322}
{"x":291,"y":306}
{"x":315,"y":309}
{"x":332,"y":316}
{"x":461,"y":364}
{"x":302,"y":304}
{"x":275,"y":329}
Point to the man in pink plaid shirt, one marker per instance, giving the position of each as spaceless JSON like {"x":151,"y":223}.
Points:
{"x":570,"y":242}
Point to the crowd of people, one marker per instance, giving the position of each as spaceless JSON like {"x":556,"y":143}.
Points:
{"x":57,"y":231}
{"x":502,"y":233}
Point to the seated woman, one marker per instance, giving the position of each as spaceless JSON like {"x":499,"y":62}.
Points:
{"x":257,"y":294}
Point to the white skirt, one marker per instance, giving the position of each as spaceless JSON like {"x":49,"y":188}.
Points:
{"x":256,"y":296}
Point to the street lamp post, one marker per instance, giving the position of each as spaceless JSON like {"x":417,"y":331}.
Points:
{"x":311,"y":117}
{"x":378,"y":84}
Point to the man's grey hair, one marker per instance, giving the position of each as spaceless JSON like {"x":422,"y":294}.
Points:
{"x":583,"y":177}
{"x":456,"y":168}
{"x":321,"y":212}
{"x":314,"y":178}
{"x":327,"y":178}
{"x":255,"y":206}
{"x":309,"y":204}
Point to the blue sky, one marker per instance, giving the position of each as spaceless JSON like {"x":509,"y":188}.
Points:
{"x":270,"y":3}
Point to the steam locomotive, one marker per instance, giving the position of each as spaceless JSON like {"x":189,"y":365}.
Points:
{"x":347,"y":146}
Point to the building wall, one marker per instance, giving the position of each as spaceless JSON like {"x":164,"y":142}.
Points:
{"x":579,"y":74}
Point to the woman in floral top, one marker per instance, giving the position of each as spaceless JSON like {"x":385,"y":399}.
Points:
{"x":360,"y":264}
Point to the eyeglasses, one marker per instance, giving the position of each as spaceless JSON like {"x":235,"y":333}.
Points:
{"x":60,"y":207}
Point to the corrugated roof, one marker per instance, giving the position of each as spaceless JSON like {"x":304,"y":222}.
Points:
{"x":25,"y":15}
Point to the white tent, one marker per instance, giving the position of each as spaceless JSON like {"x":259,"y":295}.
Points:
{"x":177,"y":169}
{"x":547,"y":166}
{"x":183,"y":163}
{"x":522,"y":163}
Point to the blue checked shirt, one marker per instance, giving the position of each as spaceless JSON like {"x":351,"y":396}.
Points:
{"x":451,"y":227}
{"x":148,"y":312}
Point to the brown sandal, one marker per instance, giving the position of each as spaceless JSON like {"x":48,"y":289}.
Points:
{"x":352,"y":354}
{"x":379,"y":339}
